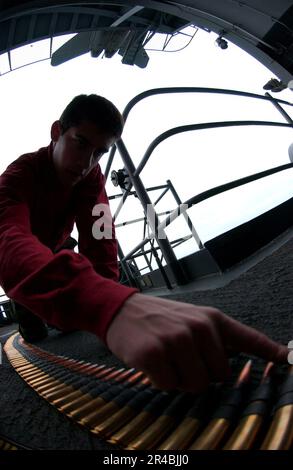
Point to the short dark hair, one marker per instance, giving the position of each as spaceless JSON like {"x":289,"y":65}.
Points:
{"x":96,"y":109}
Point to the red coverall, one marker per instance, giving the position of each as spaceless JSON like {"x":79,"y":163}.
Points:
{"x":67,"y":289}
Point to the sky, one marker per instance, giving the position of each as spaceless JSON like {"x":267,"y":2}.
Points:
{"x":33,"y":97}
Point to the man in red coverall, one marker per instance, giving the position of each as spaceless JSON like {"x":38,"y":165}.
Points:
{"x":42,"y":194}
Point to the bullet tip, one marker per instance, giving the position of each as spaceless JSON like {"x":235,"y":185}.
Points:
{"x":268,"y":371}
{"x":244,"y":374}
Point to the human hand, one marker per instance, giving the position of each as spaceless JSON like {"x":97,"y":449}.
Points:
{"x":183,"y":346}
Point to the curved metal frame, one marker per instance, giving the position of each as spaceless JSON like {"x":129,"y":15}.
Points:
{"x":197,"y":127}
{"x":262,"y":32}
{"x":134,"y":172}
{"x":172,"y":90}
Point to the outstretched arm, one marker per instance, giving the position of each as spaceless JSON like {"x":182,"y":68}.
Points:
{"x":181,"y":345}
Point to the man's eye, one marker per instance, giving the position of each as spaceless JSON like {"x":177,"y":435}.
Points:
{"x":80,"y":143}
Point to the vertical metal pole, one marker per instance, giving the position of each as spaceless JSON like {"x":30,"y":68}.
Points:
{"x":125,"y":267}
{"x":109,"y":162}
{"x":147,"y":261}
{"x":161,"y":267}
{"x":186,"y":217}
{"x":150,"y":213}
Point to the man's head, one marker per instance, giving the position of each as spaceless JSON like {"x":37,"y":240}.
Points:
{"x":87,"y":128}
{"x":95,"y":109}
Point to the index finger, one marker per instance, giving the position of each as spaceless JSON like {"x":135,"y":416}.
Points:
{"x":245,"y":339}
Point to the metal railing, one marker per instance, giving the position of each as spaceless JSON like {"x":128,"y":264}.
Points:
{"x":168,"y":187}
{"x":134,"y":172}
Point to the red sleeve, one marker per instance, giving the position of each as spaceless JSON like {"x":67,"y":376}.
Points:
{"x":61,"y":288}
{"x":101,"y":251}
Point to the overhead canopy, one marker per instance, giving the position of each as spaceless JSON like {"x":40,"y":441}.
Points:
{"x":263,"y":29}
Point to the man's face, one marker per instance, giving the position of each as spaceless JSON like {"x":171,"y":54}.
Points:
{"x":78,"y":150}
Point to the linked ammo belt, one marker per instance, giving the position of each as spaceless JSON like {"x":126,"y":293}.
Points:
{"x":121,"y":406}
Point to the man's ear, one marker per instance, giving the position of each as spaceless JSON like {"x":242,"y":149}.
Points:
{"x":55,"y":131}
